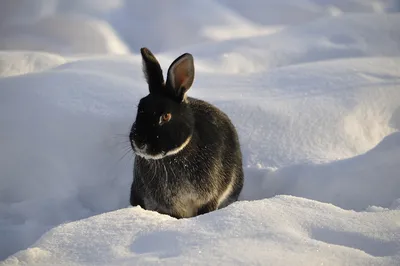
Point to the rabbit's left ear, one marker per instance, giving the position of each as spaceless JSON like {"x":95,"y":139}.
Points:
{"x":152,"y":70}
{"x":181,"y":75}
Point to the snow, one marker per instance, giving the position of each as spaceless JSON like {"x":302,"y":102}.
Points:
{"x":278,"y":231}
{"x":67,"y":34}
{"x":312,"y":86}
{"x":18,"y":63}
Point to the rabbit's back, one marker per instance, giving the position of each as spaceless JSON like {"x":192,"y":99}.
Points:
{"x":219,"y":139}
{"x":213,"y":127}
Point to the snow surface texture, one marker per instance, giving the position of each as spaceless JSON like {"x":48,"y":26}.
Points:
{"x":313,"y":88}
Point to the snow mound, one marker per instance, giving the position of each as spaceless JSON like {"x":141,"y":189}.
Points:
{"x":75,"y":119}
{"x":294,"y":12}
{"x":173,"y":24}
{"x":14,"y":63}
{"x":281,"y":231}
{"x":354,"y":183}
{"x":346,"y":36}
{"x":316,"y":112}
{"x":179,"y":23}
{"x":63,"y":34}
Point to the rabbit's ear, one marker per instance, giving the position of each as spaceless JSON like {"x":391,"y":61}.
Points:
{"x":181,"y":75}
{"x":152,"y":70}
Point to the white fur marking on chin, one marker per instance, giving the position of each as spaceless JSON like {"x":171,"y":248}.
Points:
{"x":178,"y":149}
{"x":143,"y":154}
{"x":150,"y":157}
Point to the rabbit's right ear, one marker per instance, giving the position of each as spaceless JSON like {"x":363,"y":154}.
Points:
{"x":181,"y":75}
{"x":152,"y":70}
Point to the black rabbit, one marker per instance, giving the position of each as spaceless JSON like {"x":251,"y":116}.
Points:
{"x":188,"y":159}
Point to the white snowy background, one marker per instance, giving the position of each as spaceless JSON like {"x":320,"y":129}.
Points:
{"x":313,"y":87}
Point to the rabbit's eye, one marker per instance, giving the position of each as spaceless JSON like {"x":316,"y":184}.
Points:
{"x":165,"y":118}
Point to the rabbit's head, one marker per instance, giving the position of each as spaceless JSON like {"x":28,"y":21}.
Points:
{"x":164,"y":121}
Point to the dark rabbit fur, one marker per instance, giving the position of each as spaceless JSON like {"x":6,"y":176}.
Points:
{"x":188,"y":159}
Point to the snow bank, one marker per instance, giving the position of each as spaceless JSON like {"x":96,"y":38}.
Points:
{"x":17,"y":63}
{"x":359,"y":183}
{"x":63,"y":165}
{"x":281,"y":231}
{"x":310,"y":112}
{"x":346,"y":36}
{"x":174,"y":24}
{"x":179,"y":23}
{"x":64,"y":34}
{"x":294,"y":12}
{"x":93,"y":26}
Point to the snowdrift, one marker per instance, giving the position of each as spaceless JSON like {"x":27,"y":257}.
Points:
{"x":346,"y":36}
{"x":65,"y":34}
{"x":281,"y":231}
{"x":63,"y":165}
{"x":14,"y":63}
{"x":295,"y":12}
